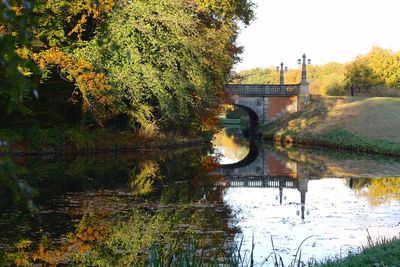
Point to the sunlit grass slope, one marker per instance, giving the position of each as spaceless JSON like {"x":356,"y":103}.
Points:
{"x":387,"y":253}
{"x":356,"y":123}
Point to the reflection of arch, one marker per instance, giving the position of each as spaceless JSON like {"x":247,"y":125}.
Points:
{"x":250,"y":158}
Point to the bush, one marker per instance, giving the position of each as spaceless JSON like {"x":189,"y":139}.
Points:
{"x":383,"y":91}
{"x":80,"y":138}
{"x":39,"y":137}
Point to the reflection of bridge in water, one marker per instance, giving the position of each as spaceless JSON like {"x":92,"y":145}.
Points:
{"x":273,"y":181}
{"x":265,"y":168}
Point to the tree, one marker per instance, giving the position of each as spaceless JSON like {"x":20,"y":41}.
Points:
{"x":42,"y":34}
{"x":361,"y":75}
{"x":14,"y":63}
{"x":167,"y":61}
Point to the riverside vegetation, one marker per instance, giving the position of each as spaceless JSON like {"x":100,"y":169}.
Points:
{"x":355,"y":123}
{"x":86,"y":75}
{"x":77,"y":75}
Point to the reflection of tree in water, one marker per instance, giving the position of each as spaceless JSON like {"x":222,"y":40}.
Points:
{"x":235,"y":146}
{"x":119,"y":232}
{"x":142,"y":179}
{"x":378,"y":191}
{"x":237,"y":136}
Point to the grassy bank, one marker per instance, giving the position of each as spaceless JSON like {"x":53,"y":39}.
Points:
{"x":387,"y":253}
{"x":361,"y":124}
{"x":382,"y":253}
{"x":73,"y":140}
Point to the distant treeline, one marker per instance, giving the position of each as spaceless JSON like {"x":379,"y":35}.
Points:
{"x":154,"y":65}
{"x":375,"y":74}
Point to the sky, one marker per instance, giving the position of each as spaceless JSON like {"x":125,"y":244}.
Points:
{"x":325,"y":30}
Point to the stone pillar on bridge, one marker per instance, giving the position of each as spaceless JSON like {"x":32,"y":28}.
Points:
{"x":281,"y":76}
{"x":304,"y":96}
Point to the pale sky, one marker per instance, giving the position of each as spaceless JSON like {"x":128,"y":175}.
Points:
{"x":326,"y":30}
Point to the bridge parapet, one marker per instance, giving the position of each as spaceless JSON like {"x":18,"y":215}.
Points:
{"x":263,"y":90}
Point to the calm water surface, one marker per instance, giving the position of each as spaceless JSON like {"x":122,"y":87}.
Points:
{"x":332,"y":200}
{"x":116,"y":206}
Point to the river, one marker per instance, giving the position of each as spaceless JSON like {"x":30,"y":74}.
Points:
{"x":111,"y":208}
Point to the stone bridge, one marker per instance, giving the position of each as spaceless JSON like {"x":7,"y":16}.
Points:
{"x":265,"y":103}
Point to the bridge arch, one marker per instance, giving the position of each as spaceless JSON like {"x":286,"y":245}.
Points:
{"x":253,"y":117}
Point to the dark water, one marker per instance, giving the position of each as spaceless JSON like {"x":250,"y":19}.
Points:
{"x":112,"y":208}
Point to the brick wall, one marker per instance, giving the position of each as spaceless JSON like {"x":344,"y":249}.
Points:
{"x":278,"y":106}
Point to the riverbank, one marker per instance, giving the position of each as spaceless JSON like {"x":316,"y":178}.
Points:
{"x":385,"y":254}
{"x":62,"y":140}
{"x":369,"y":125}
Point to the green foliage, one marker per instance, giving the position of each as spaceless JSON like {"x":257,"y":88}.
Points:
{"x":361,"y":75}
{"x":327,"y":79}
{"x":341,"y":138}
{"x":42,"y":137}
{"x":164,"y":64}
{"x":9,"y":136}
{"x":145,"y":238}
{"x":256,"y":76}
{"x":13,"y":189}
{"x":166,"y":61}
{"x":80,"y":138}
{"x":14,"y":64}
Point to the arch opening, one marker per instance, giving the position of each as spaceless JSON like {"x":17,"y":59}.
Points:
{"x":253,"y":120}
{"x":250,"y":158}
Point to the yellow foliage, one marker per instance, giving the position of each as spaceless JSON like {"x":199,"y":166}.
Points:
{"x":91,"y":228}
{"x":142,"y":182}
{"x":90,"y":83}
{"x":380,"y":190}
{"x":93,"y":10}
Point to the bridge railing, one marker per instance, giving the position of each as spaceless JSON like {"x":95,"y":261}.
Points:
{"x":263,"y":89}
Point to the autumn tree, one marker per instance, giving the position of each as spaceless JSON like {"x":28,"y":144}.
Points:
{"x":360,"y":73}
{"x":42,"y":35}
{"x":379,"y":68}
{"x":167,"y":61}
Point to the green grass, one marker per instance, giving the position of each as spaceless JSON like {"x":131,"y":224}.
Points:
{"x":387,"y":253}
{"x":341,"y":138}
